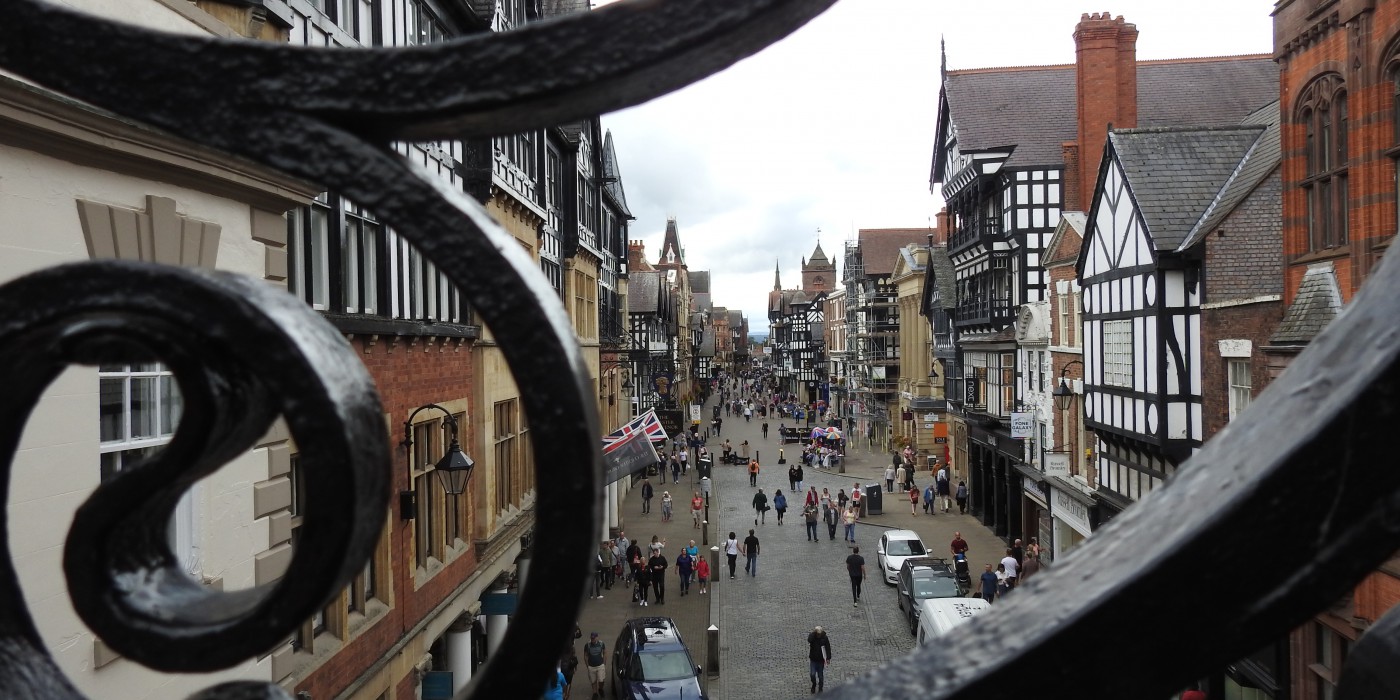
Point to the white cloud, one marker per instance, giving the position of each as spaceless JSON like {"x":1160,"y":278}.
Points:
{"x":832,"y":128}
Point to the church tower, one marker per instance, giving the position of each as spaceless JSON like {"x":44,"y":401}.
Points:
{"x":818,"y":273}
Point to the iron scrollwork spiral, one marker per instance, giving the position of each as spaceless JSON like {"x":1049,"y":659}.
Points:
{"x":329,"y":116}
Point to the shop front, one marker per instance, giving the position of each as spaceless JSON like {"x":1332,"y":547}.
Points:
{"x":1072,"y":514}
{"x":1035,"y":509}
{"x":996,"y":483}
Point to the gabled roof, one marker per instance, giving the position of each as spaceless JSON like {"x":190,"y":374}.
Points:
{"x":736,"y":318}
{"x":671,"y":244}
{"x":1259,"y":162}
{"x":1175,"y":174}
{"x":1065,"y":243}
{"x":644,"y":292}
{"x":612,"y":176}
{"x":879,"y":247}
{"x":702,"y":302}
{"x":700,"y":281}
{"x":1033,"y":107}
{"x":942,"y":272}
{"x":707,"y":342}
{"x":818,"y":256}
{"x":1319,"y":301}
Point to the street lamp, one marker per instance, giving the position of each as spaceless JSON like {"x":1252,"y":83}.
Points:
{"x":453,"y":470}
{"x":1062,"y":393}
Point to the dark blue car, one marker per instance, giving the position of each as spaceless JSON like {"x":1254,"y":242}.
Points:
{"x":650,"y":662}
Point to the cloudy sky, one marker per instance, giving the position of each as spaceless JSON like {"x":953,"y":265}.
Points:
{"x":832,"y":128}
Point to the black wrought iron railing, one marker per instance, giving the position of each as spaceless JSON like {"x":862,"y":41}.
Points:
{"x":1165,"y":593}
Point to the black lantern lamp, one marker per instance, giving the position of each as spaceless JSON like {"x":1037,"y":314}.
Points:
{"x":453,"y":470}
{"x":1062,"y":393}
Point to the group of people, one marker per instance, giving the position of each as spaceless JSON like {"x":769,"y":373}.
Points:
{"x":644,"y":569}
{"x":1019,"y":564}
{"x":901,"y":477}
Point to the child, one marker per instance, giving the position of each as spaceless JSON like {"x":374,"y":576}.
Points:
{"x":702,"y":573}
{"x":913,"y":500}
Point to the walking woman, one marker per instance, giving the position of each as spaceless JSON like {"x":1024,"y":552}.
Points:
{"x":666,"y":505}
{"x":779,"y":504}
{"x":913,"y":501}
{"x":731,"y":550}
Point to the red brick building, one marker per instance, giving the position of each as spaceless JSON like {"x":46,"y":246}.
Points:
{"x":1339,"y":67}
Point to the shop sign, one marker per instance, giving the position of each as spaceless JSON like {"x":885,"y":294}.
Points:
{"x":940,"y":441}
{"x":931,"y":417}
{"x":1039,"y":491}
{"x":1070,"y":510}
{"x":1057,"y":464}
{"x":1022,"y":425}
{"x":928,"y":426}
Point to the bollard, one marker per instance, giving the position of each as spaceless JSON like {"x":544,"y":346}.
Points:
{"x":712,"y":650}
{"x":714,"y":565}
{"x":705,"y":531}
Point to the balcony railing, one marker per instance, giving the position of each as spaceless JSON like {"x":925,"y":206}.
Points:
{"x":247,"y":353}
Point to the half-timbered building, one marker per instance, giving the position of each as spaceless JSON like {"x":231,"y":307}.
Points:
{"x":651,"y":308}
{"x":938,"y":302}
{"x":1008,"y":159}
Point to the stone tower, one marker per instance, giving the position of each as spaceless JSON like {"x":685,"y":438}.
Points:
{"x":818,"y":273}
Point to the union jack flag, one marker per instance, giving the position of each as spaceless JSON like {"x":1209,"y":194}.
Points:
{"x":646,"y":423}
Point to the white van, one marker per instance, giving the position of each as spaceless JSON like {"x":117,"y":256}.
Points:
{"x":939,"y":615}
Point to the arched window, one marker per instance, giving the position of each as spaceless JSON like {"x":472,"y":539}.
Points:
{"x":1323,"y":114}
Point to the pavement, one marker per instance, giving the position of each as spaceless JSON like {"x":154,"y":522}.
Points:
{"x":763,"y":621}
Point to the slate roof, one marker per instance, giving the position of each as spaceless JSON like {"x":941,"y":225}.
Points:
{"x":1176,"y":173}
{"x":1319,"y":301}
{"x":1261,"y":160}
{"x":702,"y":302}
{"x":911,"y":261}
{"x":736,"y":318}
{"x":818,"y":255}
{"x":941,"y":268}
{"x":1033,"y":107}
{"x":700,"y":281}
{"x":707,"y":342}
{"x":643,"y":292}
{"x":879,"y":247}
{"x":612,"y":176}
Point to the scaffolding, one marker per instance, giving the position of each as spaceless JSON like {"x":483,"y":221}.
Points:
{"x":872,"y":347}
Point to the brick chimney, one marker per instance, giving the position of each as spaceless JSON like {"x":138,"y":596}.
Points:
{"x":1105,"y":66}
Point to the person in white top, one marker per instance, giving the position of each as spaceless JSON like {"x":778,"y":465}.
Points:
{"x":1010,"y":563}
{"x":731,"y":550}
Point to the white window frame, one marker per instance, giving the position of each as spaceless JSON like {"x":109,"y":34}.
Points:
{"x":1118,"y":353}
{"x":1240,"y":377}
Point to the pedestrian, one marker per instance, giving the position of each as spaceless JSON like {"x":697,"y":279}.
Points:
{"x":647,"y":493}
{"x":913,"y":501}
{"x":792,"y":475}
{"x":779,"y":504}
{"x":685,"y":460}
{"x":731,"y":550}
{"x":850,"y":518}
{"x":595,"y":658}
{"x":855,"y":567}
{"x":675,"y":471}
{"x":962,"y":497}
{"x":1002,"y":584}
{"x":634,"y":564}
{"x":889,"y":479}
{"x":812,"y":498}
{"x":830,"y":517}
{"x":744,"y":450}
{"x":657,"y":544}
{"x":942,"y":484}
{"x":809,"y":516}
{"x":725,"y":449}
{"x":608,"y":551}
{"x":959,"y":545}
{"x":750,"y":550}
{"x":595,"y":585}
{"x":685,"y":566}
{"x":928,"y":498}
{"x":1030,"y":566}
{"x":760,"y":507}
{"x":1019,"y":553}
{"x":1012,"y":567}
{"x":702,"y":575}
{"x":555,"y":689}
{"x":697,"y":506}
{"x":989,"y":584}
{"x":818,"y":655}
{"x":657,"y":565}
{"x":624,"y":554}
{"x":692,"y":550}
{"x":856,"y":495}
{"x":753,"y":472}
{"x":568,"y":663}
{"x":900,"y":479}
{"x":643,"y":578}
{"x":765,"y":430}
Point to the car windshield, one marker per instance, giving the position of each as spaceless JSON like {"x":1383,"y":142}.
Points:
{"x":905,"y":548}
{"x":935,"y":587}
{"x":661,"y":666}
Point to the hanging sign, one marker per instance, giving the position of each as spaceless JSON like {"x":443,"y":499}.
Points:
{"x":1022,"y":425}
{"x":1057,"y":464}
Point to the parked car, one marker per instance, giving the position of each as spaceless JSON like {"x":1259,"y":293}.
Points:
{"x":650,"y":661}
{"x":925,"y":578}
{"x":942,"y":615}
{"x":893,"y":548}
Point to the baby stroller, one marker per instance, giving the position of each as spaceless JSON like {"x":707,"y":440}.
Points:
{"x":960,"y":571}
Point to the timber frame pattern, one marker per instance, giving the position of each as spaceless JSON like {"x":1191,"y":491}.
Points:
{"x":1171,"y":590}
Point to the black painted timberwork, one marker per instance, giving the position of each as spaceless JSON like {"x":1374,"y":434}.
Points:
{"x":329,"y":116}
{"x":1272,"y":521}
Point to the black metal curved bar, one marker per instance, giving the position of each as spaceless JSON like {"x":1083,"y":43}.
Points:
{"x":208,"y":327}
{"x":336,"y":132}
{"x":542,"y":74}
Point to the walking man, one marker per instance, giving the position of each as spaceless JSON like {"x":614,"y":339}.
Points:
{"x":959,"y":545}
{"x":855,"y":566}
{"x":809,"y":516}
{"x":829,"y":515}
{"x":750,"y":550}
{"x":850,"y":518}
{"x":594,"y":658}
{"x":697,"y":506}
{"x":647,"y":493}
{"x":657,"y":565}
{"x":760,"y":507}
{"x":1009,"y":561}
{"x":753,"y":469}
{"x":765,"y":430}
{"x":819,"y":655}
{"x":989,"y":584}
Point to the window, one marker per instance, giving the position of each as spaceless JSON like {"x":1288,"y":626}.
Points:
{"x":1062,"y":319}
{"x":1330,"y":651}
{"x":1241,"y":386}
{"x":506,"y":453}
{"x":1323,"y":113}
{"x":427,"y":450}
{"x":361,"y":240}
{"x":420,"y":25}
{"x":1118,"y":353}
{"x":139,"y":406}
